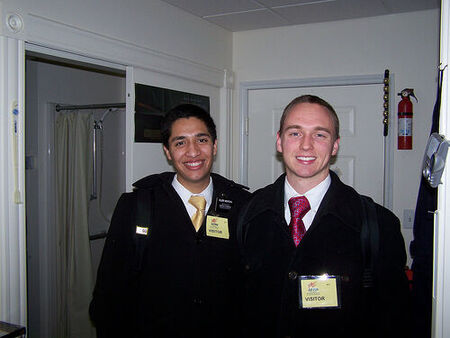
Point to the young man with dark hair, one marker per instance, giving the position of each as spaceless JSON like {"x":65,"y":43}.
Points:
{"x":302,"y":243}
{"x":174,"y":272}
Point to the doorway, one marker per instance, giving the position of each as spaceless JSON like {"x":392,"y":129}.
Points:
{"x":51,"y":81}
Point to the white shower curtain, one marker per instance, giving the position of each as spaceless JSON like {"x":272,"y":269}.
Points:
{"x":73,"y":179}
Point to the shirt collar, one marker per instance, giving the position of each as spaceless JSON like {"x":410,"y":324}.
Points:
{"x":185,"y":194}
{"x":314,"y":195}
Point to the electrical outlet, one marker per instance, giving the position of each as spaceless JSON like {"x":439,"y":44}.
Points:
{"x":408,"y":218}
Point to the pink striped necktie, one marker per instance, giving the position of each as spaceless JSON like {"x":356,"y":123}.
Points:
{"x":298,"y":206}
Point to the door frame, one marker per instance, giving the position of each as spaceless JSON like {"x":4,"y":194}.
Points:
{"x":47,"y":264}
{"x":441,"y":293}
{"x":354,"y":80}
{"x":13,"y":280}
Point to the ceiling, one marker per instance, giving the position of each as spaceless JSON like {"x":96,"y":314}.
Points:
{"x":241,"y":15}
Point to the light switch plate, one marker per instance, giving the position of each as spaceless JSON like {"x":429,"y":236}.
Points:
{"x":408,"y":218}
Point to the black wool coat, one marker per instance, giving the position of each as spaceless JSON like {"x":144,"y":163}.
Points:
{"x":188,"y":284}
{"x":332,"y":245}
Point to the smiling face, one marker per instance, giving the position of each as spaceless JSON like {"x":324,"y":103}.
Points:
{"x":191,"y":150}
{"x":307,"y":143}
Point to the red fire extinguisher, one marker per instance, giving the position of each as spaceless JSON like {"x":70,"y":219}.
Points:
{"x":405,"y":119}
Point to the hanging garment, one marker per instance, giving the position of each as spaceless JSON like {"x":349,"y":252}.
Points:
{"x":421,"y":248}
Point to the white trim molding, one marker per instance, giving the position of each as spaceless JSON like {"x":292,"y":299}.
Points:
{"x":129,"y":129}
{"x":226,"y":121}
{"x":441,"y":293}
{"x":13,"y":288}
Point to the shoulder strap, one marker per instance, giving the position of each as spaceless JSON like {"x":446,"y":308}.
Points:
{"x":369,"y":240}
{"x":241,"y":233}
{"x":142,"y":224}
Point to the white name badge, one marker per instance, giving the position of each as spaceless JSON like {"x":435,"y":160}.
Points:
{"x":319,"y":292}
{"x":217,"y":227}
{"x":141,"y":230}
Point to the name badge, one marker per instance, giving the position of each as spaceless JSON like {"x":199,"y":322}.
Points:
{"x":223,"y":205}
{"x":141,"y":230}
{"x":217,"y":227}
{"x":319,"y":292}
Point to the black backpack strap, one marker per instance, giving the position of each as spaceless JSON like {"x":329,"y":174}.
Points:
{"x":370,"y":240}
{"x":142,"y":226}
{"x":241,"y":233}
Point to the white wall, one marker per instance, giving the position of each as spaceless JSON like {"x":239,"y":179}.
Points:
{"x":406,"y":44}
{"x":144,"y":23}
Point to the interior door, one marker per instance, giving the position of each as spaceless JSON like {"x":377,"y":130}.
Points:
{"x":360,"y":161}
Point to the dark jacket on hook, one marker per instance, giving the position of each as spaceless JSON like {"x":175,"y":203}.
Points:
{"x":188,"y":283}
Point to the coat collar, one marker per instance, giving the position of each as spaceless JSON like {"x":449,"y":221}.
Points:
{"x":341,"y":200}
{"x":269,"y":198}
{"x":166,"y":178}
{"x":153,"y":180}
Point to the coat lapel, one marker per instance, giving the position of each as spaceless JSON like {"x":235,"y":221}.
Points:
{"x":348,"y":212}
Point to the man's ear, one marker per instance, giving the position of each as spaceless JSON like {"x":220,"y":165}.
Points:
{"x":335,"y":147}
{"x":167,"y":152}
{"x":215,"y":148}
{"x":279,"y":147}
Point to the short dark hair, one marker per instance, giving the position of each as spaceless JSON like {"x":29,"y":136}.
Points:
{"x":186,"y":111}
{"x":316,"y":100}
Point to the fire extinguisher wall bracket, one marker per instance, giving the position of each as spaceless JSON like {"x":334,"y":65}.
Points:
{"x":405,"y":119}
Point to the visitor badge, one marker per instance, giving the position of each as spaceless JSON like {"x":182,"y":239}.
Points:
{"x":217,"y":227}
{"x":319,"y":292}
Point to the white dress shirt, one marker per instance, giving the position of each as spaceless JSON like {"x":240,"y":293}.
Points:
{"x":185,"y":195}
{"x":314,"y":196}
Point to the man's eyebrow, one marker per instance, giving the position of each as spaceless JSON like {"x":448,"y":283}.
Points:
{"x":203,"y":135}
{"x":183,"y":137}
{"x":318,"y":128}
{"x":177,"y":138}
{"x":323,"y":129}
{"x":294,"y":126}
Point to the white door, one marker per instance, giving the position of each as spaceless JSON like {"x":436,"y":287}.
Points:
{"x":360,"y":161}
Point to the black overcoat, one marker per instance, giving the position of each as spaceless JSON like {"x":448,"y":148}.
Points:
{"x":332,"y":245}
{"x":188,"y":284}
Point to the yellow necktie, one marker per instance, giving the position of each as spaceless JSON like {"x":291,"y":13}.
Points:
{"x":199,"y":203}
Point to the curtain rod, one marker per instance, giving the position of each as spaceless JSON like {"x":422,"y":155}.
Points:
{"x":59,"y":107}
